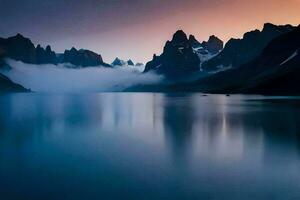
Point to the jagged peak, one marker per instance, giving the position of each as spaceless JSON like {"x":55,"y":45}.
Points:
{"x":118,"y":62}
{"x":192,"y":37}
{"x":268,"y":25}
{"x":130,"y":62}
{"x":19,"y":35}
{"x":250,"y":33}
{"x":213,"y":37}
{"x":117,"y":59}
{"x":179,"y":36}
{"x":179,"y":32}
{"x":73,"y":49}
{"x":48,"y":48}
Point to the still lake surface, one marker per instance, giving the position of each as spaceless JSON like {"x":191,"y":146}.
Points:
{"x":149,"y":146}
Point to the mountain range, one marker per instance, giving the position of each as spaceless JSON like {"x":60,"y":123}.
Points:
{"x":264,"y":62}
{"x":240,"y":51}
{"x":22,"y":49}
{"x":276,"y":70}
{"x":119,"y":62}
{"x":183,"y":55}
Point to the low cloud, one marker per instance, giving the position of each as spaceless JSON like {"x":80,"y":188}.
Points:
{"x":61,"y":78}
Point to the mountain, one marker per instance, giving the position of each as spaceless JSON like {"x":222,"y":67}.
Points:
{"x":275,"y":71}
{"x":240,"y":51}
{"x":281,"y":63}
{"x":118,"y":62}
{"x":83,"y":58}
{"x":194,"y":42}
{"x":6,"y":85}
{"x":183,"y":56}
{"x":213,"y":45}
{"x":178,"y":58}
{"x":130,"y":62}
{"x":45,"y":56}
{"x":22,"y":49}
{"x":19,"y":48}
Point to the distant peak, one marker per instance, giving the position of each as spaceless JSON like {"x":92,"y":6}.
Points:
{"x":19,"y":37}
{"x":118,"y":62}
{"x":214,"y":44}
{"x":73,"y":49}
{"x":180,"y":32}
{"x":192,"y":37}
{"x":213,"y":37}
{"x":48,"y":48}
{"x":194,"y":42}
{"x":179,"y":36}
{"x":130,"y":62}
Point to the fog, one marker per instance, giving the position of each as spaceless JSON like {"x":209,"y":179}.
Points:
{"x":63,"y":78}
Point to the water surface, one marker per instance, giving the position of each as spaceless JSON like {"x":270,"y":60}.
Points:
{"x":149,"y":146}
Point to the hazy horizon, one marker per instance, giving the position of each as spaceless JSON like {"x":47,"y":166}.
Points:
{"x":137,"y":29}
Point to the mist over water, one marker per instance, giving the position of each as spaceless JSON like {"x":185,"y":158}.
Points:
{"x":63,"y":78}
{"x":149,"y":146}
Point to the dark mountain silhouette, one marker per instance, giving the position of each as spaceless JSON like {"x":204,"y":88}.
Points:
{"x":183,"y":56}
{"x":83,"y":58}
{"x":19,"y":48}
{"x":45,"y":56}
{"x":6,"y":85}
{"x":178,"y":58}
{"x":213,"y":45}
{"x":194,"y":42}
{"x":240,"y":51}
{"x":22,"y":49}
{"x":264,"y":62}
{"x":275,"y":71}
{"x":281,"y":61}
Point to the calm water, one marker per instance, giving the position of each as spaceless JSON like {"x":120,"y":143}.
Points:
{"x":149,"y":146}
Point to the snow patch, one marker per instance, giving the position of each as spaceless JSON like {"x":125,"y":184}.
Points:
{"x":290,"y":58}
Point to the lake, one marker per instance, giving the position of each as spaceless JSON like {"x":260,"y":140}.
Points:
{"x":149,"y":146}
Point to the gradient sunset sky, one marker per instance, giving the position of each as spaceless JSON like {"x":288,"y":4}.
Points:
{"x":137,"y":28}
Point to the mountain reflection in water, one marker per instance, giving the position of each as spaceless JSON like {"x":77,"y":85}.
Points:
{"x":149,"y":146}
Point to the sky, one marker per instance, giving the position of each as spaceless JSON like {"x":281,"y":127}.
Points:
{"x":137,"y":29}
